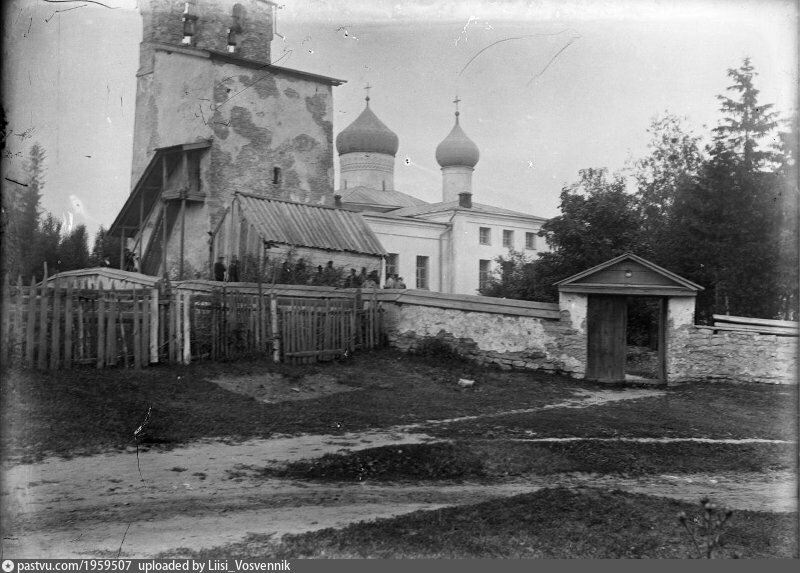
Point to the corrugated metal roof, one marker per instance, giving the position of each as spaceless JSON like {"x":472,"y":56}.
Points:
{"x":454,"y":205}
{"x":304,"y":225}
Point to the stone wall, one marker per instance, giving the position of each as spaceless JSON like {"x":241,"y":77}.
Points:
{"x":703,"y":353}
{"x":510,"y":335}
{"x":488,"y":337}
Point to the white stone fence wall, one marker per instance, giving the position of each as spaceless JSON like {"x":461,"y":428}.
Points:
{"x":552,"y":337}
{"x":508,"y":333}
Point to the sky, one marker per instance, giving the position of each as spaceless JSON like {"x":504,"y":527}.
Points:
{"x":547,"y":88}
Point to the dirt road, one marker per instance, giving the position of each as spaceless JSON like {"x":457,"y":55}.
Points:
{"x":203,"y":496}
{"x":206,"y":494}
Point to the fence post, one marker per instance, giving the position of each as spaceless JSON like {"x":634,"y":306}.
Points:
{"x":41,"y":359}
{"x":276,"y":342}
{"x":154,"y":328}
{"x":101,"y":327}
{"x":68,"y":326}
{"x":111,"y":329}
{"x":55,"y":353}
{"x":19,"y":339}
{"x":137,"y":334}
{"x":187,"y":342}
{"x":30,"y":334}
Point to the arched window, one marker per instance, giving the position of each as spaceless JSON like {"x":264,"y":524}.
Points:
{"x":276,"y":175}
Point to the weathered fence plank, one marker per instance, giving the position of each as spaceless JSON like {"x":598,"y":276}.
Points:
{"x":68,"y":324}
{"x":30,"y":325}
{"x":101,"y":327}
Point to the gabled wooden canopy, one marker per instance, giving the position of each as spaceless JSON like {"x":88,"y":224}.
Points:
{"x":629,"y":274}
{"x":152,"y":184}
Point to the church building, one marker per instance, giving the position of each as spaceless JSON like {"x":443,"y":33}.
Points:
{"x":225,"y":141}
{"x":448,"y":246}
{"x":214,"y":117}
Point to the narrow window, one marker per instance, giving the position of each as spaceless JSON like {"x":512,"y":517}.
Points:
{"x":276,"y":175}
{"x":237,"y":20}
{"x":508,"y":239}
{"x":392,"y":260}
{"x":422,"y":272}
{"x":530,"y":241}
{"x":189,"y":20}
{"x":484,"y":273}
{"x":485,"y":236}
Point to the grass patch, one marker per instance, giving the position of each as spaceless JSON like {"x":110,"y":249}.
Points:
{"x":410,"y":461}
{"x":630,"y":458}
{"x":555,"y":523}
{"x":712,"y":410}
{"x":493,"y":460}
{"x":85,"y":411}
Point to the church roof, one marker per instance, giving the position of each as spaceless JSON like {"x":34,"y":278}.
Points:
{"x":304,"y":225}
{"x":368,"y":196}
{"x":457,"y":150}
{"x":367,"y":134}
{"x":433,"y":208}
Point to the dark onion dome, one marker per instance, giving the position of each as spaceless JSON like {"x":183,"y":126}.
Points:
{"x":367,"y":134}
{"x":457,"y":150}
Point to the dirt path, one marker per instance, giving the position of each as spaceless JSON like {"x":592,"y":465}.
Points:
{"x":202,"y":495}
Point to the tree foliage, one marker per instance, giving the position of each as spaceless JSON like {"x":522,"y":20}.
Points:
{"x":32,"y":238}
{"x":599,"y":221}
{"x":725,"y":217}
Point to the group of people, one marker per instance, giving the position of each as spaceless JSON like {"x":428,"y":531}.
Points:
{"x":328,"y":275}
{"x":229,"y":273}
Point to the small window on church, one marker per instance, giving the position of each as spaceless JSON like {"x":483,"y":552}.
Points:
{"x":237,"y":24}
{"x":530,"y":241}
{"x":484,"y":235}
{"x":508,"y":239}
{"x":392,"y":264}
{"x":484,"y":273}
{"x":189,"y":21}
{"x":276,"y":175}
{"x":422,"y":272}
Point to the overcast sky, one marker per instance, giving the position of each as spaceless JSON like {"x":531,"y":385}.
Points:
{"x":566,"y":85}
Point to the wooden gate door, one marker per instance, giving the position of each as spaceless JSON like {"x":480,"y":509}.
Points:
{"x":607,"y":326}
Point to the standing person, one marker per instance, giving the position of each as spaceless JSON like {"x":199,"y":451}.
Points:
{"x":362,"y":278}
{"x":233,"y":270}
{"x":352,"y":280}
{"x":219,"y":269}
{"x":399,"y":283}
{"x":389,"y":282}
{"x":372,"y":280}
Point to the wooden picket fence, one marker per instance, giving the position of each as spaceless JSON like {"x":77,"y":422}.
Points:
{"x":64,"y":323}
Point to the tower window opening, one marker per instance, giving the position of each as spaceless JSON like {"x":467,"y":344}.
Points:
{"x":189,"y":22}
{"x":231,"y":41}
{"x":276,"y":175}
{"x":237,"y":17}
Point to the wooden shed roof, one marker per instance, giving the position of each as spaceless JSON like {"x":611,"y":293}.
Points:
{"x":304,"y":225}
{"x":629,"y":274}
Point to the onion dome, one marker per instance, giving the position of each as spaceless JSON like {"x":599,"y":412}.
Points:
{"x":457,"y":150}
{"x":367,"y":134}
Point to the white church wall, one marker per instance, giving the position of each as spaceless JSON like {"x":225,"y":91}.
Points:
{"x":409,"y":240}
{"x":468,"y":250}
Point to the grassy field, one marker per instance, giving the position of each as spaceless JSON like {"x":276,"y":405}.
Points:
{"x":554,"y":523}
{"x":81,"y":412}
